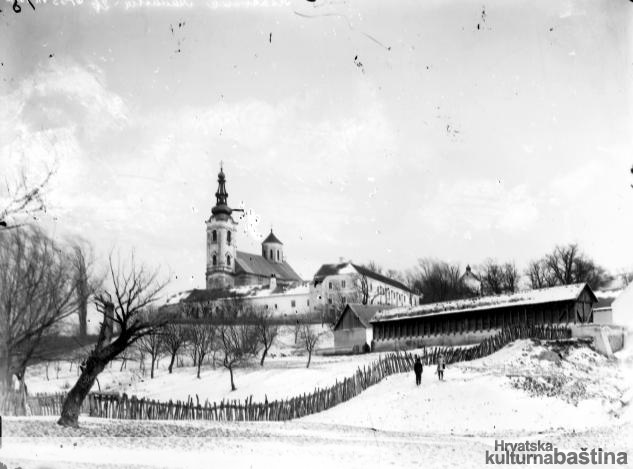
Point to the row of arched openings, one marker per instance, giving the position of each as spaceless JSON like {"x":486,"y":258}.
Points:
{"x":214,"y":236}
{"x":215,"y":259}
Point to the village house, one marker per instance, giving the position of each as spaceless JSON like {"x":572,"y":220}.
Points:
{"x":335,"y":285}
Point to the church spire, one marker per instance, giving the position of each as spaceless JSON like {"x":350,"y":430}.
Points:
{"x":221,"y":195}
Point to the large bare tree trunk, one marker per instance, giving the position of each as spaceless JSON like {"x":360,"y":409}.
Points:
{"x":77,"y":395}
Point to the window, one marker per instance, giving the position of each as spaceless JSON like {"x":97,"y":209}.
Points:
{"x":343,"y":300}
{"x":308,"y":302}
{"x":371,"y":287}
{"x":330,"y":285}
{"x":275,"y":305}
{"x":265,"y":306}
{"x":215,"y":236}
{"x":329,"y":301}
{"x":343,"y":284}
{"x":228,"y":238}
{"x":293,"y":303}
{"x":228,"y":260}
{"x":277,"y":255}
{"x":215,"y":260}
{"x":270,"y":254}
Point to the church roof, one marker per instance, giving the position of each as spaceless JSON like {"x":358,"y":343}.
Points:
{"x":272,"y":239}
{"x":257,"y":265}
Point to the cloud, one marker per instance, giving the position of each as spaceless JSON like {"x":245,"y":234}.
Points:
{"x":466,"y":207}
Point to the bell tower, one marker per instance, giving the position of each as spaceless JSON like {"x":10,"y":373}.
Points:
{"x":272,"y":249}
{"x":221,"y":247}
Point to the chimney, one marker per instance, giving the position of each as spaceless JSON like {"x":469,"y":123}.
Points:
{"x":273,"y":282}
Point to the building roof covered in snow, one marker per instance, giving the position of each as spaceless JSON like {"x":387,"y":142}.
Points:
{"x":347,"y":267}
{"x":528,"y":297}
{"x":365,"y":313}
{"x":607,"y":297}
{"x":245,"y":291}
{"x":253,"y":264}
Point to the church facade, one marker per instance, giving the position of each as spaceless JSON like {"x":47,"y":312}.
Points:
{"x":227,"y":267}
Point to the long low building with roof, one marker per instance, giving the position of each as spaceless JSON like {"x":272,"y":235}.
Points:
{"x":470,"y":320}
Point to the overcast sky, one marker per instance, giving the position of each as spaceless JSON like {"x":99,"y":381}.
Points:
{"x":359,"y":129}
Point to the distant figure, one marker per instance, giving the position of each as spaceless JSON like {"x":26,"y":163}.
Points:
{"x":417,"y":369}
{"x":441,"y":365}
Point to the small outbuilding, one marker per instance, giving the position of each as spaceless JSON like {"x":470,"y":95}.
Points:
{"x":353,"y":331}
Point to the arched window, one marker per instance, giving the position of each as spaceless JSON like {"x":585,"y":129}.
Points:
{"x":215,"y":236}
{"x":271,"y":255}
{"x":277,"y":255}
{"x":228,"y":238}
{"x":228,"y":260}
{"x":215,"y":259}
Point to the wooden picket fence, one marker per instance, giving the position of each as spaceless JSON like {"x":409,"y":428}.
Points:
{"x":40,"y":404}
{"x":123,"y":407}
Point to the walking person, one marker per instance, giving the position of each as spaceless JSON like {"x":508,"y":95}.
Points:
{"x":417,"y":369}
{"x":441,"y":365}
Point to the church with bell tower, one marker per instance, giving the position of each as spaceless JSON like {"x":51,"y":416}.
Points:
{"x":226,"y":266}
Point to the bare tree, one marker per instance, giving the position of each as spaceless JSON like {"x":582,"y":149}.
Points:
{"x":134,"y":290}
{"x":373,"y":266}
{"x":237,"y":339}
{"x":492,"y":276}
{"x":310,"y":339}
{"x":539,"y":275}
{"x":439,"y":281}
{"x":395,"y":275}
{"x":266,"y":332}
{"x":175,"y":338}
{"x":36,"y":293}
{"x":86,"y":279}
{"x":152,"y":344}
{"x":566,"y":265}
{"x":202,"y":338}
{"x":22,"y":198}
{"x":499,"y":278}
{"x":239,"y":344}
{"x":510,"y":277}
{"x":363,"y":285}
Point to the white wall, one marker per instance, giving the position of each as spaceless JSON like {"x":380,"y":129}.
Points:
{"x":281,"y":305}
{"x":622,"y":308}
{"x":381,"y":293}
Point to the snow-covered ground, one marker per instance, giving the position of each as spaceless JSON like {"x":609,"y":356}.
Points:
{"x":572,"y":398}
{"x":488,"y":396}
{"x":284,"y":375}
{"x":107,"y":444}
